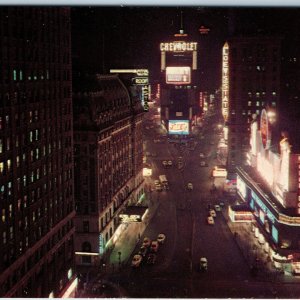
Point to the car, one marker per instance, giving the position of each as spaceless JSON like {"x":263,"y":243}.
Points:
{"x":170,"y":163}
{"x":158,"y":187}
{"x":212,"y":213}
{"x":136,"y":260}
{"x":165,"y":163}
{"x":154,"y":246}
{"x":203,"y":164}
{"x":143,"y":251}
{"x":151,"y":259}
{"x":217,"y":207}
{"x":166,"y":186}
{"x":161,"y":238}
{"x":189,"y":186}
{"x":156,"y":182}
{"x":210,"y":220}
{"x":203,"y":264}
{"x":201,"y":155}
{"x":146,"y":242}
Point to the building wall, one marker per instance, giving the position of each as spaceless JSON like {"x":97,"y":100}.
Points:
{"x":254,"y":83}
{"x":108,"y":164}
{"x":36,"y":144}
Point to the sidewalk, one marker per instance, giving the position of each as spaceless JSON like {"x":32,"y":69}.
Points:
{"x":129,"y":238}
{"x":254,"y":253}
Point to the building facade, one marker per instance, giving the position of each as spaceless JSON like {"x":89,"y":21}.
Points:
{"x":179,"y":91}
{"x":36,"y":145}
{"x":270,"y":185}
{"x":250,"y":82}
{"x":108,"y":154}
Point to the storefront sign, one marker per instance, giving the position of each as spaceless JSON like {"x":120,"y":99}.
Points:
{"x":289,"y":220}
{"x":130,"y":218}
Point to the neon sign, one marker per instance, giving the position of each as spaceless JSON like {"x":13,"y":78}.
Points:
{"x":225,"y":82}
{"x":178,"y":46}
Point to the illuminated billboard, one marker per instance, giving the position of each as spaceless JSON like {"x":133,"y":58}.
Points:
{"x":178,"y":75}
{"x":225,"y":81}
{"x":179,"y":46}
{"x":178,"y":127}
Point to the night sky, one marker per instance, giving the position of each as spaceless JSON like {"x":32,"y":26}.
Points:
{"x":129,"y":37}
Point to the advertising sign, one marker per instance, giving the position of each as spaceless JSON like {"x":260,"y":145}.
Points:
{"x":140,"y":80}
{"x":145,"y":97}
{"x":124,"y":218}
{"x":225,"y":82}
{"x":264,"y":129}
{"x":178,"y":46}
{"x":178,"y":127}
{"x":178,"y":75}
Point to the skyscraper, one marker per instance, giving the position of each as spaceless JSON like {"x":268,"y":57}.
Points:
{"x":250,"y":82}
{"x":36,"y":170}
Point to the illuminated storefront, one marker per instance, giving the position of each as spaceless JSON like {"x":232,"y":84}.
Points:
{"x":269,"y":187}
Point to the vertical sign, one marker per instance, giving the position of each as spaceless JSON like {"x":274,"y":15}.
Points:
{"x":101,"y":244}
{"x":225,"y":81}
{"x":145,"y":97}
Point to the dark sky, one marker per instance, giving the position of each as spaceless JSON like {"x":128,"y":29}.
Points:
{"x":129,"y":37}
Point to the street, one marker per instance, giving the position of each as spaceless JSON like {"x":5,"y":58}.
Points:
{"x":181,"y":215}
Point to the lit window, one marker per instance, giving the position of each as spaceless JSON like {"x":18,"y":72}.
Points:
{"x":30,"y":117}
{"x":33,"y":216}
{"x":257,"y":103}
{"x":24,"y":180}
{"x":11,"y":232}
{"x":8,"y":164}
{"x":4,"y":239}
{"x":10,"y":210}
{"x":3,"y":215}
{"x":249,"y":103}
{"x":21,"y":75}
{"x":257,"y":94}
{"x":273,"y":103}
{"x":30,"y":136}
{"x":274,"y":93}
{"x":1,"y":167}
{"x":15,"y":74}
{"x":32,"y":176}
{"x":18,"y":160}
{"x":1,"y":145}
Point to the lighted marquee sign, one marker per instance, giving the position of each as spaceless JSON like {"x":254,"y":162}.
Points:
{"x":178,"y":75}
{"x":178,"y":127}
{"x":179,"y":46}
{"x":225,"y":81}
{"x":124,"y":218}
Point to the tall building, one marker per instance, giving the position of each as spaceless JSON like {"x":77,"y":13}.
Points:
{"x":179,"y":88}
{"x":108,"y":159}
{"x":250,"y":82}
{"x":36,"y":146}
